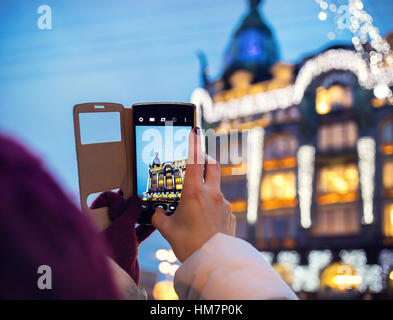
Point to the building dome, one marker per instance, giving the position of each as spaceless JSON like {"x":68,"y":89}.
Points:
{"x":156,"y":160}
{"x":253,"y":47}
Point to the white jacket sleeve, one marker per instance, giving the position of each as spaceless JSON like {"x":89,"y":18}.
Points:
{"x":225,"y":268}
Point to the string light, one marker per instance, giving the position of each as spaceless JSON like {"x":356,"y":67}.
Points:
{"x":386,"y":262}
{"x":305,"y":158}
{"x":382,"y":91}
{"x":366,"y":152}
{"x":371,"y":274}
{"x":254,"y":171}
{"x":360,"y":23}
{"x":307,"y":278}
{"x":322,"y":16}
{"x":171,"y":256}
{"x":164,"y":267}
{"x":334,"y":59}
{"x":167,"y":257}
{"x":161,"y":254}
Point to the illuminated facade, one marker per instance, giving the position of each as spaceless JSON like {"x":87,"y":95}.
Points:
{"x":314,"y":188}
{"x":165,"y":180}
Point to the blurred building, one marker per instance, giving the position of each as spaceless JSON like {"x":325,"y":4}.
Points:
{"x":311,"y":177}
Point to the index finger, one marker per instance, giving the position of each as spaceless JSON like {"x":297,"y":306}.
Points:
{"x":212,"y":172}
{"x":195,"y":160}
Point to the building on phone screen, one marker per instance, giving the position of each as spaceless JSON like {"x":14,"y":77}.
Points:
{"x":312,"y":188}
{"x":165,"y":180}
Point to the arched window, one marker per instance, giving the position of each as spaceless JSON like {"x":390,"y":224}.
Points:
{"x":335,"y":97}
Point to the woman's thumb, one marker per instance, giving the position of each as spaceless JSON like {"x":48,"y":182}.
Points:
{"x":159,"y":220}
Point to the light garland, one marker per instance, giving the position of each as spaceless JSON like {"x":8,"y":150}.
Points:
{"x":371,"y":274}
{"x":386,"y":261}
{"x":254,"y":171}
{"x":289,"y":258}
{"x":305,"y":158}
{"x":307,"y":278}
{"x":366,"y":152}
{"x":360,"y":23}
{"x":283,"y":98}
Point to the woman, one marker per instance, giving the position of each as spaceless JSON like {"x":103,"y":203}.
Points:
{"x":41,"y":226}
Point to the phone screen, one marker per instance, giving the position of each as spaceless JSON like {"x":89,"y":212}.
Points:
{"x":161,"y":154}
{"x":161,"y":149}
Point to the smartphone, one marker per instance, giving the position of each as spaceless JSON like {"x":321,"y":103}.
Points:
{"x":161,"y":135}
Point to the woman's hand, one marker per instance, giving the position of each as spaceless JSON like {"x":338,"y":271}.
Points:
{"x":202,"y":211}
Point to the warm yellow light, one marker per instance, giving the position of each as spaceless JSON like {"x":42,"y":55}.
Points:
{"x":391,"y":275}
{"x":391,"y":217}
{"x":165,"y":267}
{"x":161,"y":254}
{"x":388,"y":221}
{"x":171,"y":256}
{"x":323,"y":108}
{"x":164,"y":290}
{"x":239,"y":206}
{"x":278,"y":180}
{"x":347,"y":280}
{"x":341,"y":185}
{"x":278,"y":190}
{"x":351,"y":173}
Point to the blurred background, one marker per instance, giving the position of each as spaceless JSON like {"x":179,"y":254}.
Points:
{"x":307,"y":83}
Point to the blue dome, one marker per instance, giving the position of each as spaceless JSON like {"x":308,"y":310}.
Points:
{"x":156,"y":160}
{"x":253,"y":46}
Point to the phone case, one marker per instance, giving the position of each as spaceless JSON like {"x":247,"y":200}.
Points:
{"x":105,"y":166}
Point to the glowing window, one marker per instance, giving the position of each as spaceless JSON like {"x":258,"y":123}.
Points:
{"x":337,"y":136}
{"x":338,"y":183}
{"x":334,"y":98}
{"x":387,"y":175}
{"x":388,"y":221}
{"x":278,"y":190}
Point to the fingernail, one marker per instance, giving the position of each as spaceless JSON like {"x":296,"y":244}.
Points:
{"x":197,"y":131}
